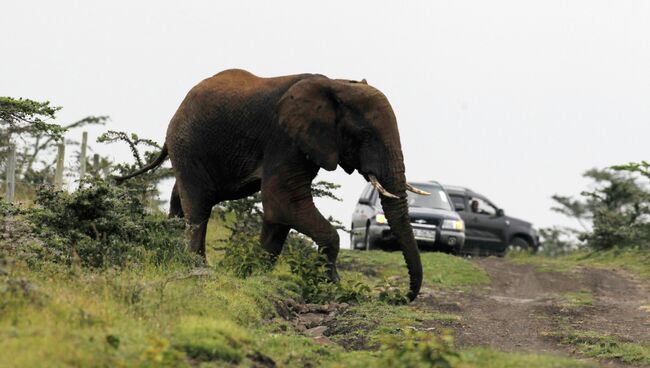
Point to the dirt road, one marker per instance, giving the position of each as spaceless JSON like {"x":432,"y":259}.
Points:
{"x":531,"y":311}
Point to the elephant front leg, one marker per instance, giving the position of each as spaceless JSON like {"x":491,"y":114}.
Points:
{"x":287,"y":199}
{"x":273,"y":237}
{"x":309,"y":221}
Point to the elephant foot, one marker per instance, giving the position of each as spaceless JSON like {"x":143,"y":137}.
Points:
{"x":333,"y":274}
{"x":200,"y":261}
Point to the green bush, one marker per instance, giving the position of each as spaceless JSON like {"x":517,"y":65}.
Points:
{"x":617,"y":210}
{"x":100,"y":225}
{"x":244,"y":257}
{"x":311,"y":273}
{"x":620,"y":209}
{"x":391,"y":294}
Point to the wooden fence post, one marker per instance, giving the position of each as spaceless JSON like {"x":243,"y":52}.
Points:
{"x":82,"y":157}
{"x":58,"y":174}
{"x":11,"y":174}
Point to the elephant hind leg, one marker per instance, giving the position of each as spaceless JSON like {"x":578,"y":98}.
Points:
{"x":175,"y":208}
{"x":197,"y":237}
{"x":196,"y":206}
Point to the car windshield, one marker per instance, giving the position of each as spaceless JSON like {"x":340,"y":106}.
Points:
{"x":438,"y":198}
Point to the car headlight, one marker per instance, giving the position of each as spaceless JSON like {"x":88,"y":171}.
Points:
{"x":450,"y":224}
{"x":381,"y":219}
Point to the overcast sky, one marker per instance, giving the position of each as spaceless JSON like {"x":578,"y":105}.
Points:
{"x":515,"y":99}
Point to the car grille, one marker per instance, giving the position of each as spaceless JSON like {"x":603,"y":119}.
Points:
{"x":424,"y":221}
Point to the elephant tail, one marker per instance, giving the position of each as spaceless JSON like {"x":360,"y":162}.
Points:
{"x":159,"y":160}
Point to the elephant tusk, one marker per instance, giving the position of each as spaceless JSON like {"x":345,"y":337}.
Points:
{"x":415,"y":190}
{"x":381,"y":189}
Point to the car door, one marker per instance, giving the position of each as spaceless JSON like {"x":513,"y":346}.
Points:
{"x":485,"y":228}
{"x":461,"y":206}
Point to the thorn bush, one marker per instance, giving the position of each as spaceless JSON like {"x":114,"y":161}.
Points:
{"x":310,"y":270}
{"x":99,"y":226}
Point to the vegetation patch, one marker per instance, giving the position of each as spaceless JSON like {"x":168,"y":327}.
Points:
{"x":419,"y":349}
{"x":488,"y":358}
{"x":97,"y":226}
{"x":636,"y":261}
{"x":440,"y":269}
{"x":600,"y":346}
{"x":578,"y":299}
{"x":363,"y":326}
{"x":208,"y":339}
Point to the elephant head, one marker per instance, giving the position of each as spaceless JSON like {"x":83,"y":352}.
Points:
{"x":351,"y":124}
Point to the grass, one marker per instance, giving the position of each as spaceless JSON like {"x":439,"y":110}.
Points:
{"x":177,"y":316}
{"x":365,"y":325}
{"x":440,"y":270}
{"x":578,"y":299}
{"x":600,"y":346}
{"x":486,"y":358}
{"x":634,"y":261}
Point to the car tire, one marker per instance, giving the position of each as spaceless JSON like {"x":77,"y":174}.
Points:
{"x":519,"y":243}
{"x":366,"y":240}
{"x":353,"y":239}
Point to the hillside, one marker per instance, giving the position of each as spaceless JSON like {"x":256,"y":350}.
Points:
{"x":577,"y":311}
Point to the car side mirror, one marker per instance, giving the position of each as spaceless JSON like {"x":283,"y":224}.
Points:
{"x":458,"y":207}
{"x":500,"y":212}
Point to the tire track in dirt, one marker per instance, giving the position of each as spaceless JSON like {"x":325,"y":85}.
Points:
{"x":522,"y":307}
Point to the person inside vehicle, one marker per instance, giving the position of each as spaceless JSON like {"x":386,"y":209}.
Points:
{"x":474,"y":206}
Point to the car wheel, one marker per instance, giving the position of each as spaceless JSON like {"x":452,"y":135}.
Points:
{"x":353,"y":239}
{"x":457,"y":250}
{"x":366,"y":239}
{"x":520,"y":244}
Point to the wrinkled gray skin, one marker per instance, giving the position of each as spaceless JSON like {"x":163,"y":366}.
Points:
{"x":236,"y":134}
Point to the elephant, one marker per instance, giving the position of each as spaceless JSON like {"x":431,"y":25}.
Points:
{"x":235,"y":134}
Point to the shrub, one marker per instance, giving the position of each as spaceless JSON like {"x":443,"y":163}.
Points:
{"x":311,"y":273}
{"x":391,"y":294}
{"x":145,"y":184}
{"x":101,"y":226}
{"x":557,"y":241}
{"x":244,"y":256}
{"x":617,"y":208}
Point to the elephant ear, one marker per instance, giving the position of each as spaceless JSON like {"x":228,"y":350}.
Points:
{"x":307,"y":113}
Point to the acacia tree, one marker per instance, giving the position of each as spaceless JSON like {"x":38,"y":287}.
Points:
{"x":148,"y":182}
{"x":616,"y":213}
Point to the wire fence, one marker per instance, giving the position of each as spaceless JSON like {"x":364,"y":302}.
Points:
{"x":17,"y":190}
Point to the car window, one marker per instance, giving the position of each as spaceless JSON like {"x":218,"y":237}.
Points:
{"x":459,"y":201}
{"x":481,"y":207}
{"x":438,"y":198}
{"x":366,"y":194}
{"x":374,"y":197}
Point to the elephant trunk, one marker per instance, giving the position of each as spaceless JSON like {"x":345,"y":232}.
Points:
{"x":396,"y":212}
